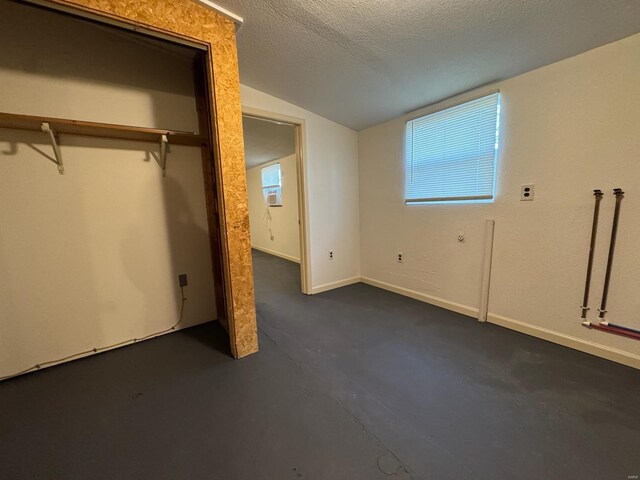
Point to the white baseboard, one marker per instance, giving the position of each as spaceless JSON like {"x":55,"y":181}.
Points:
{"x":277,"y":254}
{"x":592,"y":348}
{"x":333,"y":285}
{"x":423,"y":297}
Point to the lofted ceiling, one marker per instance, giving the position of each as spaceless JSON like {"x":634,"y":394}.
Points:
{"x":362,"y":62}
{"x":265,"y":141}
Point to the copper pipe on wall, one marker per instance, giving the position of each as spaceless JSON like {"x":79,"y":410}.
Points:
{"x":594,"y":233}
{"x":612,"y":247}
{"x":603,"y":325}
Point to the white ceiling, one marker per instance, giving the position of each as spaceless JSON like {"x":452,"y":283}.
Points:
{"x":362,"y":62}
{"x":266,"y":141}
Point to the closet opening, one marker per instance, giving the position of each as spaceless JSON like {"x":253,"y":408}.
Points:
{"x":109,"y":200}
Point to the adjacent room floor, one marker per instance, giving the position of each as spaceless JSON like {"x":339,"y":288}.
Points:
{"x":356,"y":383}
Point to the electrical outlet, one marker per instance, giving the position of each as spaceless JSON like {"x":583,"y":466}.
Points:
{"x":399,"y":256}
{"x":527,"y":192}
{"x":330,"y":254}
{"x":182,"y":280}
{"x":461,"y":237}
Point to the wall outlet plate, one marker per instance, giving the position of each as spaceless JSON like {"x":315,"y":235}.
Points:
{"x":527,"y":192}
{"x":330,"y":254}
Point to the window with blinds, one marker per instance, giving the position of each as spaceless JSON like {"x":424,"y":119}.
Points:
{"x":450,"y":155}
{"x":272,"y":185}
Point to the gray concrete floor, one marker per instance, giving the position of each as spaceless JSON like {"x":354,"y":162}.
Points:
{"x":355,"y":383}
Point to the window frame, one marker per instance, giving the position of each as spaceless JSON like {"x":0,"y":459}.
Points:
{"x":278,"y":186}
{"x":439,"y":107}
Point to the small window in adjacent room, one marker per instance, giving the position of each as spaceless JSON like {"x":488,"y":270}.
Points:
{"x":451,"y":155}
{"x":272,"y":185}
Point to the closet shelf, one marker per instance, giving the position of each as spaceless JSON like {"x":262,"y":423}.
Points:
{"x":96,"y":129}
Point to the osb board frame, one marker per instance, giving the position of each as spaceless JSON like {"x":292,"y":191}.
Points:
{"x":186,"y":20}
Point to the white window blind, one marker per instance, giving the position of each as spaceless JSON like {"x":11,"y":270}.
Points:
{"x":272,"y":185}
{"x":450,"y":155}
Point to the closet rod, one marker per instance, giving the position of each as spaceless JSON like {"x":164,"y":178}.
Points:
{"x":95,"y":129}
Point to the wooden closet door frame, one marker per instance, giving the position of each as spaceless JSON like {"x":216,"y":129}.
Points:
{"x":217,"y":87}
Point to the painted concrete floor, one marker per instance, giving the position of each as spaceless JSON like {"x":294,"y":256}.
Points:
{"x":355,"y":383}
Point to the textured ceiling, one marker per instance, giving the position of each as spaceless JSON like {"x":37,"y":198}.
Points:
{"x":266,"y":141}
{"x":362,"y":62}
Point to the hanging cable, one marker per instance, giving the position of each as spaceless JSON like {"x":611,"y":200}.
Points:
{"x":107,"y":347}
{"x":267,"y":223}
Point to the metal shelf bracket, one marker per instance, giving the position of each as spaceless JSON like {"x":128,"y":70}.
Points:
{"x":163,"y":154}
{"x":46,"y":128}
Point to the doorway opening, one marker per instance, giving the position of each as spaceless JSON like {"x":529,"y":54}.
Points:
{"x":274,"y":159}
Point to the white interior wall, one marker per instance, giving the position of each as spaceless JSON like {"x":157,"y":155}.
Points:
{"x":91,"y":258}
{"x":331,"y":178}
{"x":275,"y":230}
{"x":90,"y":73}
{"x":568,"y":128}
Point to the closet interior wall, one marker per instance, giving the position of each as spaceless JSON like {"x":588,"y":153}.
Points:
{"x":91,"y":258}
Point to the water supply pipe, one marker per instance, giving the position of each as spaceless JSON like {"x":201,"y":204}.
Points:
{"x":610,"y":328}
{"x":594,"y":232}
{"x":603,"y":325}
{"x":612,"y":248}
{"x":620,"y":327}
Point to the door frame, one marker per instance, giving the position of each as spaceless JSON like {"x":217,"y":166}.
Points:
{"x":303,"y":206}
{"x":186,"y":22}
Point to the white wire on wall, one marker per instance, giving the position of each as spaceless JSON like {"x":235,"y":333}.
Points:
{"x":38,"y":366}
